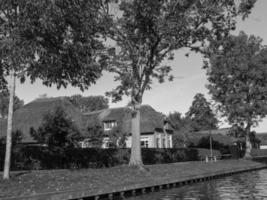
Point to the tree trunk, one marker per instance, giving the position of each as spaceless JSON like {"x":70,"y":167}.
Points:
{"x":248,"y":143}
{"x":9,"y":126}
{"x":136,"y":158}
{"x":211,"y":153}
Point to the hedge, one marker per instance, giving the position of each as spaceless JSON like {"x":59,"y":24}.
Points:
{"x":259,"y":152}
{"x":37,"y":157}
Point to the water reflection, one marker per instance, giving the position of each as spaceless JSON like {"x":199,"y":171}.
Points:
{"x":252,"y":185}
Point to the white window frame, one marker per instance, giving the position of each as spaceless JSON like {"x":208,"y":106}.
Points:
{"x":145,"y":141}
{"x":157,"y":142}
{"x":108,"y":125}
{"x":169,"y":141}
{"x":164,"y":142}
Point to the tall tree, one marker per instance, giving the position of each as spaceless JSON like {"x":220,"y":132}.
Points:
{"x":177,"y":121}
{"x":237,"y":71}
{"x":90,"y":103}
{"x":147,"y":32}
{"x":201,"y":114}
{"x":56,"y":41}
{"x":4,"y":100}
{"x":181,"y":126}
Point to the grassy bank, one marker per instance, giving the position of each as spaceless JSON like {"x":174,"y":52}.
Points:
{"x":104,"y":180}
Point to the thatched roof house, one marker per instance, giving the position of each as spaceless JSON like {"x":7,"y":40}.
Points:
{"x":151,"y":120}
{"x":153,"y":128}
{"x":31,"y":115}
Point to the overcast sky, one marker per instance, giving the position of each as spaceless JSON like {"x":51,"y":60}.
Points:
{"x":169,"y":96}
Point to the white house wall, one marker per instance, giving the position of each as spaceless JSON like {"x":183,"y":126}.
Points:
{"x":128,"y":142}
{"x":263,"y":146}
{"x":152,"y":138}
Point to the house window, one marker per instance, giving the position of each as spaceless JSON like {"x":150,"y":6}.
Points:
{"x":157,"y":142}
{"x":85,"y":143}
{"x":105,"y":143}
{"x":169,"y":142}
{"x":167,"y":126}
{"x":109,"y":125}
{"x":144,"y":142}
{"x":163,"y":143}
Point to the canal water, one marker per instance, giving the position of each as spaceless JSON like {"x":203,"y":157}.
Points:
{"x":249,"y":185}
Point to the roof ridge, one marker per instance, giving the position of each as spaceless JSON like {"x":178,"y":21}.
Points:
{"x":116,"y":108}
{"x":105,"y":109}
{"x":47,"y":99}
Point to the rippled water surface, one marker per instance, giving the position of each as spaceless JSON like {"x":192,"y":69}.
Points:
{"x":251,"y":185}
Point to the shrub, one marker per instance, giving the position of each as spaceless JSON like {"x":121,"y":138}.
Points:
{"x":39,"y":157}
{"x":57,"y":130}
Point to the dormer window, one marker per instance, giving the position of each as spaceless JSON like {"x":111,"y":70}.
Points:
{"x":109,"y":125}
{"x":167,"y":125}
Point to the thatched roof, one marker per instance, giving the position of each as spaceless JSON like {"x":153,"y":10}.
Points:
{"x":150,"y":119}
{"x":221,"y":131}
{"x":31,"y":115}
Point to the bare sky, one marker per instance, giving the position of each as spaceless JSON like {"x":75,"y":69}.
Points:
{"x":169,"y":96}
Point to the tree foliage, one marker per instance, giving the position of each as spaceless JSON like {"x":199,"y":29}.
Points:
{"x":56,"y":41}
{"x":146,"y":33}
{"x":17,"y":136}
{"x":176,"y":120}
{"x":3,"y":82}
{"x":238,"y":131}
{"x":181,"y":126}
{"x":204,"y":143}
{"x":201,"y":115}
{"x":117,"y":137}
{"x":4,"y":101}
{"x":95,"y":133}
{"x":57,"y":130}
{"x":237,"y":74}
{"x":237,"y":71}
{"x":90,"y":103}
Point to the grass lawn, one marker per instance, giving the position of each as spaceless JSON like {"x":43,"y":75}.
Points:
{"x":96,"y":180}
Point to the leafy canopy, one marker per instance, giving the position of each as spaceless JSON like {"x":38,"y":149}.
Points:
{"x":146,"y":33}
{"x":4,"y":102}
{"x":54,"y":40}
{"x":176,"y":120}
{"x":181,"y":126}
{"x":237,"y":71}
{"x":57,"y":130}
{"x":201,"y":115}
{"x":95,"y":133}
{"x":17,"y":137}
